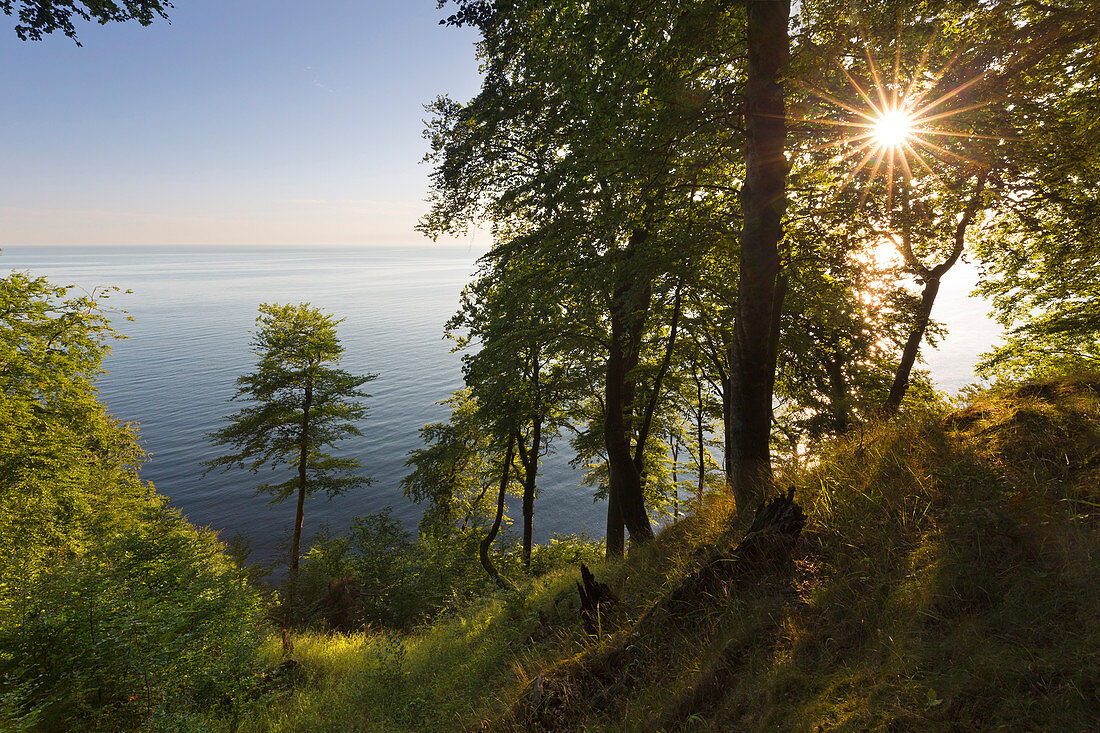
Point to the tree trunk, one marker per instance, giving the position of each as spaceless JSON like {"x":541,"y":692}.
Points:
{"x":838,"y":394}
{"x":300,"y":515}
{"x":674,"y":451}
{"x":655,"y":390}
{"x":912,"y":346}
{"x":732,"y":419}
{"x":931,"y":279}
{"x":762,"y":202}
{"x":303,"y":458}
{"x":530,"y":460}
{"x":616,"y":530}
{"x":699,"y":439}
{"x":626,"y":503}
{"x":483,"y":548}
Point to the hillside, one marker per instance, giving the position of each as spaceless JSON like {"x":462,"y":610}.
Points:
{"x":946,"y":579}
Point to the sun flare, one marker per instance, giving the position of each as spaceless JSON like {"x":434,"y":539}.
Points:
{"x":893,"y":128}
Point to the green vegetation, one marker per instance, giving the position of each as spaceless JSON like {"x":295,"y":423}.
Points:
{"x":946,"y":578}
{"x":113,"y":610}
{"x":37,"y":18}
{"x":688,"y":202}
{"x":300,"y":405}
{"x":647,"y":232}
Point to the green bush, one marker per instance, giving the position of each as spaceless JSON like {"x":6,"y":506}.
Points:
{"x":115,"y":613}
{"x":155,"y":620}
{"x":402,"y":582}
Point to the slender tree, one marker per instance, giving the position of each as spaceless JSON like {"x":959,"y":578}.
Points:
{"x":494,"y":528}
{"x":929,"y":278}
{"x":301,"y":405}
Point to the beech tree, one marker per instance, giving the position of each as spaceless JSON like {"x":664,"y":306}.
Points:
{"x":37,"y":18}
{"x":762,"y":285}
{"x":513,"y":313}
{"x":594,"y":143}
{"x":301,"y":405}
{"x":58,"y":446}
{"x":692,"y":166}
{"x":1041,"y":254}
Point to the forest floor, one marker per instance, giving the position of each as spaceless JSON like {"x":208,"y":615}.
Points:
{"x":946,"y":579}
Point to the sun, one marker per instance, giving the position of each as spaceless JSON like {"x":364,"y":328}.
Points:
{"x":893,"y":128}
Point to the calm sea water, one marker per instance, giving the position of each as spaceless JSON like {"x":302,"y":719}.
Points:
{"x":188,"y":342}
{"x":193,"y":308}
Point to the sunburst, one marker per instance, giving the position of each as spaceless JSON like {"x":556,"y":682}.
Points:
{"x":893,"y":128}
{"x":899,"y":126}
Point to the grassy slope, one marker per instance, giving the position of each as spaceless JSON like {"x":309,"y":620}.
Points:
{"x":947,"y":579}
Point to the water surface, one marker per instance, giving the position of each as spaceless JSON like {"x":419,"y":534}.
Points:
{"x":193,"y":308}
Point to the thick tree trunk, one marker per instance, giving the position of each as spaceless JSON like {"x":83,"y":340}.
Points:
{"x":616,"y":530}
{"x":623,"y":476}
{"x":487,"y":540}
{"x":626,"y":503}
{"x":762,"y":202}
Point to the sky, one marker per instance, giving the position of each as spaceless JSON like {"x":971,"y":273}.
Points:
{"x":250,"y":122}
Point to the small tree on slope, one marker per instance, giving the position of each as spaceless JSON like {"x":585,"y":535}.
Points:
{"x":301,"y":405}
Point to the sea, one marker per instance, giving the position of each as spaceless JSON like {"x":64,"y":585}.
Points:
{"x":192,"y":309}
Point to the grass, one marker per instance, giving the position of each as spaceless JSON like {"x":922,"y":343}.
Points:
{"x":946,"y":580}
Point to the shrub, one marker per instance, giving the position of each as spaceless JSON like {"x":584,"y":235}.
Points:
{"x":153,"y":620}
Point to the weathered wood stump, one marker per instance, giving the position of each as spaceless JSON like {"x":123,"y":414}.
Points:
{"x":596,"y":600}
{"x":767,"y":546}
{"x":771,"y":537}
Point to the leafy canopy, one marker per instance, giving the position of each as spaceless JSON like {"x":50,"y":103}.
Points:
{"x":42,"y":17}
{"x":297,"y":350}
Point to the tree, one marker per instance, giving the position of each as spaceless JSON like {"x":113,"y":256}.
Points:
{"x":513,"y":313}
{"x":1001,"y":103}
{"x":42,"y":17}
{"x":451,"y":476}
{"x":59,"y":449}
{"x":762,"y":285}
{"x":302,"y":405}
{"x":1040,"y":256}
{"x":465,"y":458}
{"x":595,"y":166}
{"x":111,"y":604}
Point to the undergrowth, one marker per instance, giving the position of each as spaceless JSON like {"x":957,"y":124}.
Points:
{"x":946,"y":580}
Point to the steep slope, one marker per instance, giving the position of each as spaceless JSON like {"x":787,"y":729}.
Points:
{"x":946,"y":579}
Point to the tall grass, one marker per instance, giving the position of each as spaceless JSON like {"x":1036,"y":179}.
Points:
{"x":947,"y":579}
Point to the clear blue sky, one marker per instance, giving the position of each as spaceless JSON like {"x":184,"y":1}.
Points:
{"x":239,"y":122}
